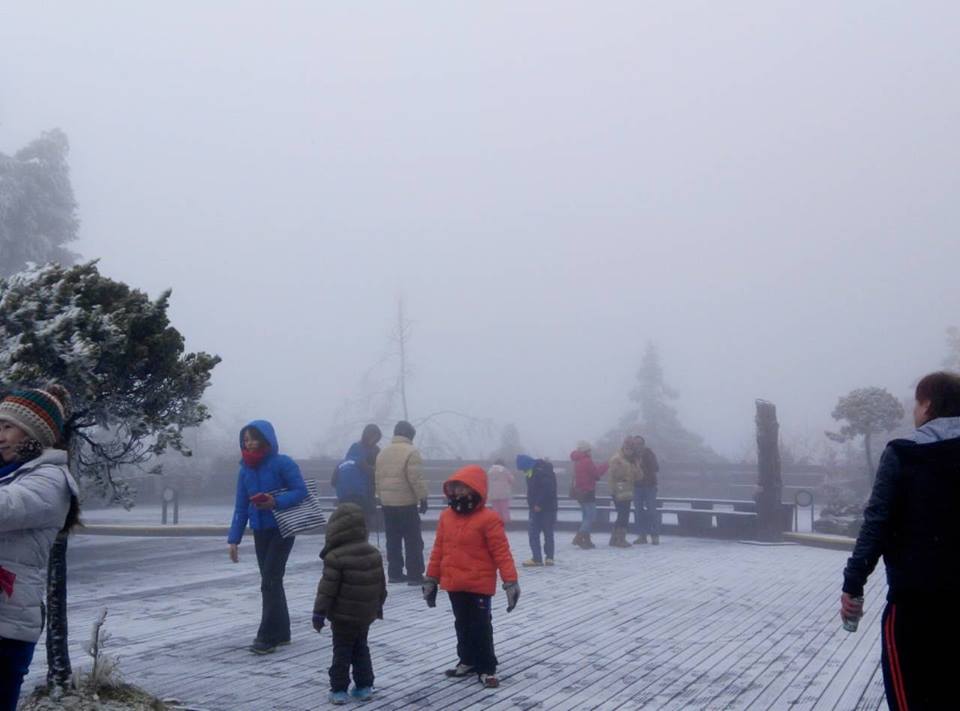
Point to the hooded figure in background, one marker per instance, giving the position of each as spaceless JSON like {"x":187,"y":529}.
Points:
{"x":354,"y":479}
{"x":542,"y":505}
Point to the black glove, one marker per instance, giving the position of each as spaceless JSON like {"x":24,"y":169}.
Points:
{"x":318,"y":621}
{"x":424,"y":505}
{"x":513,"y":594}
{"x":429,"y":589}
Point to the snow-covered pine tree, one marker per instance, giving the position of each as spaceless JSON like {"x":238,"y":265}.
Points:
{"x":656,"y":419}
{"x":38,"y":213}
{"x":133,"y":388}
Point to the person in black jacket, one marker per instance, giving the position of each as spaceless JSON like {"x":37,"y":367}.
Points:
{"x":542,"y":504}
{"x":910,"y":520}
{"x":351,"y":594}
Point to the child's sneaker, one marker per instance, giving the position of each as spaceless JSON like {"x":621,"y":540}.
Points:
{"x":489,"y":681}
{"x":338,"y":697}
{"x":459,"y":670}
{"x":362,"y":693}
{"x":531,"y":563}
{"x":548,"y":561}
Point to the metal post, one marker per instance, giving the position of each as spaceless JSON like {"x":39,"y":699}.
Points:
{"x":169,"y":496}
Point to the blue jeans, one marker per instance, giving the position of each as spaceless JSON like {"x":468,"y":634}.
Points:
{"x":15,"y":658}
{"x":588,"y":512}
{"x":541,"y":522}
{"x":648,"y":517}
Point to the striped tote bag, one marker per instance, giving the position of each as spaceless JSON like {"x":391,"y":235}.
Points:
{"x":305,"y":516}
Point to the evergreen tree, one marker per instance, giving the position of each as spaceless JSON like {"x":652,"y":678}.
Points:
{"x":38,"y":213}
{"x":133,"y":389}
{"x":867,"y":412}
{"x":656,"y":419}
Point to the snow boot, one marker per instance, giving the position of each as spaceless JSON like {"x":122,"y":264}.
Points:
{"x":587,"y":542}
{"x":338,"y":698}
{"x":619,"y":538}
{"x":578,"y":540}
{"x":641,"y":540}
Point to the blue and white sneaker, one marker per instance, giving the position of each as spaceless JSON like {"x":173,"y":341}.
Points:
{"x":338,"y":697}
{"x":362,"y":693}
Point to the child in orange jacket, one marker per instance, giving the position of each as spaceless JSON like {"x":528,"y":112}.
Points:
{"x":469,"y":548}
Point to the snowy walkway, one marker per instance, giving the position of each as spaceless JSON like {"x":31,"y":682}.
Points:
{"x":691,"y":624}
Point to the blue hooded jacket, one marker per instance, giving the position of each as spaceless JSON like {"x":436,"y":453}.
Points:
{"x":541,"y":482}
{"x":353,"y":483}
{"x":277,"y":471}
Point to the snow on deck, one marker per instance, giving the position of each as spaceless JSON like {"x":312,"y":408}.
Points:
{"x":691,"y":624}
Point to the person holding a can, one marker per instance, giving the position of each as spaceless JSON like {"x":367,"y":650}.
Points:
{"x":910,"y":520}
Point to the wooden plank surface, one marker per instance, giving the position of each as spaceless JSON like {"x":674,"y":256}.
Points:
{"x":689,"y":624}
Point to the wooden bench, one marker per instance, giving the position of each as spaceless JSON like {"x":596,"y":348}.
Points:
{"x":736,"y":518}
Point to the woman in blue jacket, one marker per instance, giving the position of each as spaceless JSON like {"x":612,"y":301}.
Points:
{"x":264,"y":470}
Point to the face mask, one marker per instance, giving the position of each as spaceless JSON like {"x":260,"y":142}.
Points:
{"x":464,"y":504}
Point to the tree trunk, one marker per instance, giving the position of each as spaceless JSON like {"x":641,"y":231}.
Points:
{"x":871,"y":469}
{"x":770,"y":483}
{"x":402,"y":331}
{"x":59,"y":671}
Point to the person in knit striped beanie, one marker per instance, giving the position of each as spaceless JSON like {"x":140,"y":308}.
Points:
{"x":41,"y":414}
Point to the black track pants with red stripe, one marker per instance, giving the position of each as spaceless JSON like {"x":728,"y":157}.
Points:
{"x":919,"y":666}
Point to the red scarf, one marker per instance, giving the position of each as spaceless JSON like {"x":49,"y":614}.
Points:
{"x":254,"y":458}
{"x":6,"y":581}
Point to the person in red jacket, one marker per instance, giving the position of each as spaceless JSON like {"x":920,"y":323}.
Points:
{"x":470,"y":547}
{"x":586,"y":474}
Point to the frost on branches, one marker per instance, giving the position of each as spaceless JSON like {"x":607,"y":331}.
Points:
{"x":133,"y":388}
{"x":38,"y":213}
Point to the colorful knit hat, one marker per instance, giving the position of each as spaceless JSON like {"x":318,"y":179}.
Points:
{"x":39,"y":413}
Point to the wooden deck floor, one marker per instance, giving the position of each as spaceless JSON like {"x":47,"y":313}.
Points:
{"x":691,"y":624}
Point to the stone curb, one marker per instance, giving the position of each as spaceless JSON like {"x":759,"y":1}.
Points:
{"x":822,"y":540}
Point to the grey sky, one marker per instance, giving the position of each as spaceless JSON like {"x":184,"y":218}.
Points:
{"x":768,"y":190}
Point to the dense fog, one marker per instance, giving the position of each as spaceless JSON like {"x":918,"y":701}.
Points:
{"x":765,"y":191}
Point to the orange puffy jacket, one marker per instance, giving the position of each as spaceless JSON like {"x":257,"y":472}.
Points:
{"x":470,"y":548}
